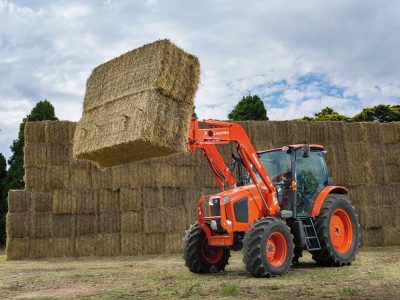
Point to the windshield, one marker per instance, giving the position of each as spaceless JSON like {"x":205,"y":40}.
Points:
{"x":277,"y":164}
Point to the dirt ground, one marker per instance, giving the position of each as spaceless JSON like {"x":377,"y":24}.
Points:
{"x":374,"y":275}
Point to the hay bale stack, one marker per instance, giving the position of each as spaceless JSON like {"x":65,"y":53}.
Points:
{"x":75,"y":209}
{"x":137,"y":106}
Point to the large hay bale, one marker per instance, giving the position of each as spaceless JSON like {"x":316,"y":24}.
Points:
{"x":101,"y":179}
{"x":35,"y":179}
{"x":64,"y":226}
{"x":108,"y":244}
{"x":130,"y":199}
{"x":151,"y":197}
{"x":34,"y":132}
{"x":17,"y":225}
{"x":372,"y":237}
{"x":138,"y":105}
{"x":41,"y":225}
{"x":154,"y":220}
{"x":173,"y":242}
{"x":19,"y":201}
{"x":58,"y":177}
{"x":110,"y":222}
{"x":41,"y":201}
{"x":59,"y":154}
{"x":86,"y":201}
{"x":35,"y":155}
{"x":17,"y":248}
{"x":131,"y":222}
{"x":80,"y":178}
{"x":131,"y":243}
{"x":86,"y":224}
{"x":85,"y":245}
{"x":108,"y":201}
{"x":124,"y":176}
{"x":41,"y":248}
{"x":59,"y":132}
{"x":153,"y":243}
{"x":63,"y":247}
{"x":63,"y":202}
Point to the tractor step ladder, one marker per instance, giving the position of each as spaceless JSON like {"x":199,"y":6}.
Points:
{"x":312,"y":241}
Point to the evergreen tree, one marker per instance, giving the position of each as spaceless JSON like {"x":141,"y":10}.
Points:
{"x":194,"y":115}
{"x":249,"y":108}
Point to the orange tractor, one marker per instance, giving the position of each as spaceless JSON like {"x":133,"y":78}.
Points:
{"x":281,"y":204}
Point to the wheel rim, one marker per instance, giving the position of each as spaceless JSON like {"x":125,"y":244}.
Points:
{"x":276,"y":249}
{"x":211,"y":254}
{"x":341,"y":231}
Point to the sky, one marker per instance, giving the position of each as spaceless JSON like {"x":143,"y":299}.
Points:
{"x":298,"y":56}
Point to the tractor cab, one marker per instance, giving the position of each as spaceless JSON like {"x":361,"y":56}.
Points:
{"x":299,"y":173}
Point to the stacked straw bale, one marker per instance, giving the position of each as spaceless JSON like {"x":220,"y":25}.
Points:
{"x":137,"y":106}
{"x":72,"y":208}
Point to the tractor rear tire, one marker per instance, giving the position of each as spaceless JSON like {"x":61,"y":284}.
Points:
{"x":268,"y":248}
{"x":338,"y":232}
{"x":199,"y":256}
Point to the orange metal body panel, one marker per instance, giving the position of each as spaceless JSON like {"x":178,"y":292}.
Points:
{"x":319,"y":199}
{"x":256,"y":210}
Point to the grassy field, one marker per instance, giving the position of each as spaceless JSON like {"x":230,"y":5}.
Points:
{"x":374,"y":275}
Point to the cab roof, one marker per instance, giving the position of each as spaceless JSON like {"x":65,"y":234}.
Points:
{"x":295,"y":146}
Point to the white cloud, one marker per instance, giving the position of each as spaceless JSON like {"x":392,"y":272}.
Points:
{"x":48,"y":48}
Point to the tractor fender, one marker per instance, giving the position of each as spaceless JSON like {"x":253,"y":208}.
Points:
{"x":319,"y":199}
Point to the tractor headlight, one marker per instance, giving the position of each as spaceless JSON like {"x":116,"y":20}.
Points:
{"x":229,"y":223}
{"x":213,"y":225}
{"x":227,"y":199}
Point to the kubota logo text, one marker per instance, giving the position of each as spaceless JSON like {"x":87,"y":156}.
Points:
{"x":221,"y":132}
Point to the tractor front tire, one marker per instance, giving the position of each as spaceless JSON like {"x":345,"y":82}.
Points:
{"x":338,"y":232}
{"x":268,"y":248}
{"x":199,"y":256}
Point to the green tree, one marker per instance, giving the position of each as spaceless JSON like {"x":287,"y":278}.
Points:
{"x":3,"y":203}
{"x":14,"y":179}
{"x":379,"y":113}
{"x":327,"y":114}
{"x":249,"y":108}
{"x":194,"y":115}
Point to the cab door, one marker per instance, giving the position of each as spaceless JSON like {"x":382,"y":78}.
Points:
{"x":311,"y":178}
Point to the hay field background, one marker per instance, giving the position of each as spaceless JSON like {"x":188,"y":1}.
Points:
{"x":374,"y":275}
{"x":72,"y":208}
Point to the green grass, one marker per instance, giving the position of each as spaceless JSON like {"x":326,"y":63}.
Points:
{"x":350,"y":291}
{"x":375,"y":272}
{"x":229,"y":289}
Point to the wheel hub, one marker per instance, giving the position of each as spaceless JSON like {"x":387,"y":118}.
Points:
{"x":341,"y":232}
{"x":275,"y":249}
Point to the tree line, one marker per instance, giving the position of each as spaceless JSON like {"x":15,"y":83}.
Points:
{"x":248,"y":108}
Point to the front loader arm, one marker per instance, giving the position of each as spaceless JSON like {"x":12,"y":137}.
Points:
{"x":222,"y":133}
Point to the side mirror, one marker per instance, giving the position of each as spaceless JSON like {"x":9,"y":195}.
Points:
{"x":306,"y":150}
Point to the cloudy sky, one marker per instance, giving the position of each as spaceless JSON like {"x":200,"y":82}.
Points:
{"x":298,"y":56}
